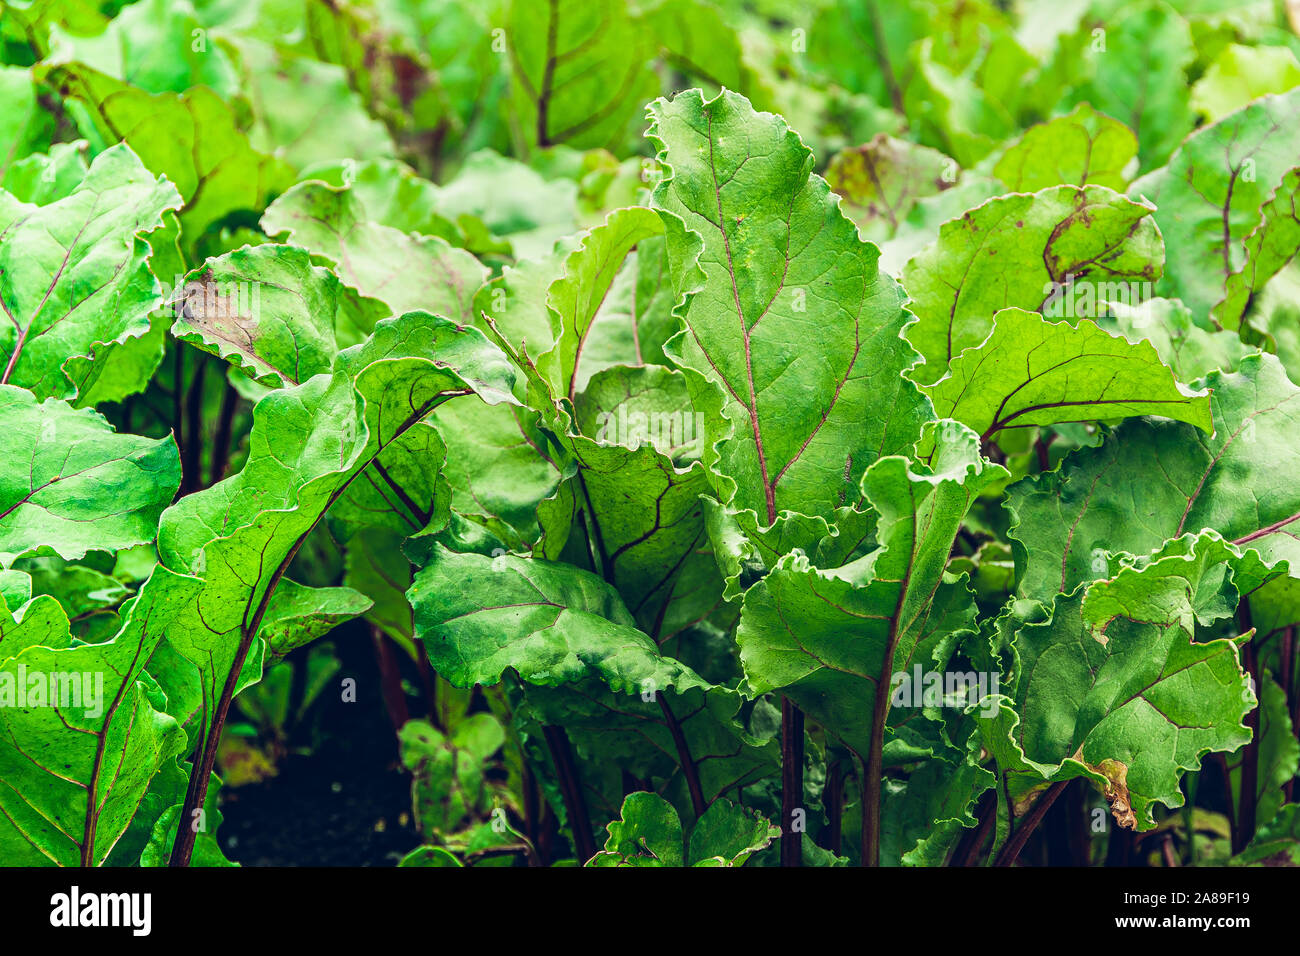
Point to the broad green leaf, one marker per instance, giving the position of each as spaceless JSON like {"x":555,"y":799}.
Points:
{"x":625,"y":502}
{"x":513,"y":200}
{"x":1146,"y":699}
{"x":922,"y":818}
{"x":830,"y":640}
{"x":449,"y":789}
{"x":77,"y":485}
{"x":1016,"y":251}
{"x":74,"y":274}
{"x":636,"y":319}
{"x":272,"y":314}
{"x":1153,"y":480}
{"x":1030,"y":371}
{"x":498,"y":466}
{"x":69,"y":796}
{"x":788,"y":313}
{"x":1208,"y":196}
{"x":1082,"y":147}
{"x":207,"y":851}
{"x":390,"y":193}
{"x":551,"y":623}
{"x":304,"y":110}
{"x":159,"y":46}
{"x":580,"y":70}
{"x":865,"y":46}
{"x":648,"y":833}
{"x":192,"y":138}
{"x":701,"y":41}
{"x":34,"y":622}
{"x":308,"y":444}
{"x":42,"y":178}
{"x":1134,"y":67}
{"x":403,"y":270}
{"x":296,"y":615}
{"x":26,"y":127}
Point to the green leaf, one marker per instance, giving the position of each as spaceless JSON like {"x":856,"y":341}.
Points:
{"x":449,"y":789}
{"x":403,"y":270}
{"x":1269,"y":246}
{"x":1208,"y":196}
{"x":829,"y":640}
{"x":272,"y":314}
{"x":42,"y":178}
{"x":1082,"y":147}
{"x":304,"y":110}
{"x":788,"y":314}
{"x":576,"y":296}
{"x":159,"y":46}
{"x":1146,"y":698}
{"x":1191,"y":349}
{"x":513,"y":201}
{"x":68,"y":797}
{"x":1033,"y":372}
{"x":580,"y":69}
{"x":1135,"y":69}
{"x":1015,"y":251}
{"x":308,"y":444}
{"x":1151,"y":481}
{"x":626,"y":498}
{"x":192,"y":138}
{"x":649,"y":833}
{"x":74,"y":274}
{"x":26,"y":127}
{"x":551,"y":623}
{"x":296,"y":615}
{"x":78,"y":485}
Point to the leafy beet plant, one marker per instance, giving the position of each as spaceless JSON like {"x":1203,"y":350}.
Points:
{"x":729,"y":512}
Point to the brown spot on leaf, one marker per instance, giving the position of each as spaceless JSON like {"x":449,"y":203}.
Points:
{"x":1116,"y":792}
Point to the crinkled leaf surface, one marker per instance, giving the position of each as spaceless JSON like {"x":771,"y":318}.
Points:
{"x":272,"y":314}
{"x":830,"y":640}
{"x":881,"y":181}
{"x":192,"y":138}
{"x":403,"y":270}
{"x":649,"y":833}
{"x":308,"y":444}
{"x":1208,"y":196}
{"x":1030,"y":371}
{"x":1010,"y":251}
{"x":1145,"y":701}
{"x":581,"y":70}
{"x":1153,"y":480}
{"x":789,"y":314}
{"x":74,"y":274}
{"x":551,"y":623}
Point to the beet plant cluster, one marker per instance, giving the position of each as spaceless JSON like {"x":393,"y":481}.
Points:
{"x":750,"y":433}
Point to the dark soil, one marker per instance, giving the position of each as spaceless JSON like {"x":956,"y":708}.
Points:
{"x":347,"y":802}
